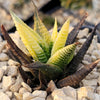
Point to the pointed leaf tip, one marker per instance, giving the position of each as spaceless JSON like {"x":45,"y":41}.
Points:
{"x":61,"y":38}
{"x":54,"y":34}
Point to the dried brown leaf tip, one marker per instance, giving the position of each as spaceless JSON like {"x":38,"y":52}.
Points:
{"x":23,"y":58}
{"x":76,"y":78}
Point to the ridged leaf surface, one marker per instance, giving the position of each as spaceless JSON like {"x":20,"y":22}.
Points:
{"x":40,"y":28}
{"x":31,"y":39}
{"x":54,"y":34}
{"x":63,"y":56}
{"x":61,"y":38}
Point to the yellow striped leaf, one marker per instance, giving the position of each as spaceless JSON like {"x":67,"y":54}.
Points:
{"x":54,"y":34}
{"x":61,"y":38}
{"x":40,"y":28}
{"x":32,"y":46}
{"x":63,"y":56}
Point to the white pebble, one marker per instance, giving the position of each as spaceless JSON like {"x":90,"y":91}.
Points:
{"x":18,"y":96}
{"x":92,"y":82}
{"x":3,"y":57}
{"x":4,"y":63}
{"x":23,"y":90}
{"x":93,"y":58}
{"x":96,"y":53}
{"x":3,"y":96}
{"x":15,"y":87}
{"x":2,"y":45}
{"x":39,"y":93}
{"x":27,"y":96}
{"x":81,"y":40}
{"x":98,"y":90}
{"x":69,"y":91}
{"x":26,"y":86}
{"x":38,"y":98}
{"x":85,"y":92}
{"x":12,"y":62}
{"x":1,"y":73}
{"x":7,"y":82}
{"x":12,"y":71}
{"x":9,"y":93}
{"x":99,"y":80}
{"x":1,"y":39}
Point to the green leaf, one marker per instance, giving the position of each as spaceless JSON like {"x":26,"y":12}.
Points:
{"x":32,"y":46}
{"x":54,"y":34}
{"x":61,"y":38}
{"x":40,"y":28}
{"x":31,"y":39}
{"x":50,"y":71}
{"x":63,"y":56}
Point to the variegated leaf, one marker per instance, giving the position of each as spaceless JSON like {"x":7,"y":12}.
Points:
{"x":32,"y":46}
{"x":54,"y":34}
{"x":31,"y":39}
{"x":61,"y":38}
{"x":63,"y":56}
{"x":40,"y":28}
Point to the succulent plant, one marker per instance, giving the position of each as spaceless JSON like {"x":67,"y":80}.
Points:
{"x":50,"y":58}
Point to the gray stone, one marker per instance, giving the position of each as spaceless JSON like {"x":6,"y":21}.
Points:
{"x":69,"y":91}
{"x":92,"y":75}
{"x":83,"y":33}
{"x":3,"y":57}
{"x":96,"y":53}
{"x":4,"y":63}
{"x":12,"y":71}
{"x":92,"y":82}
